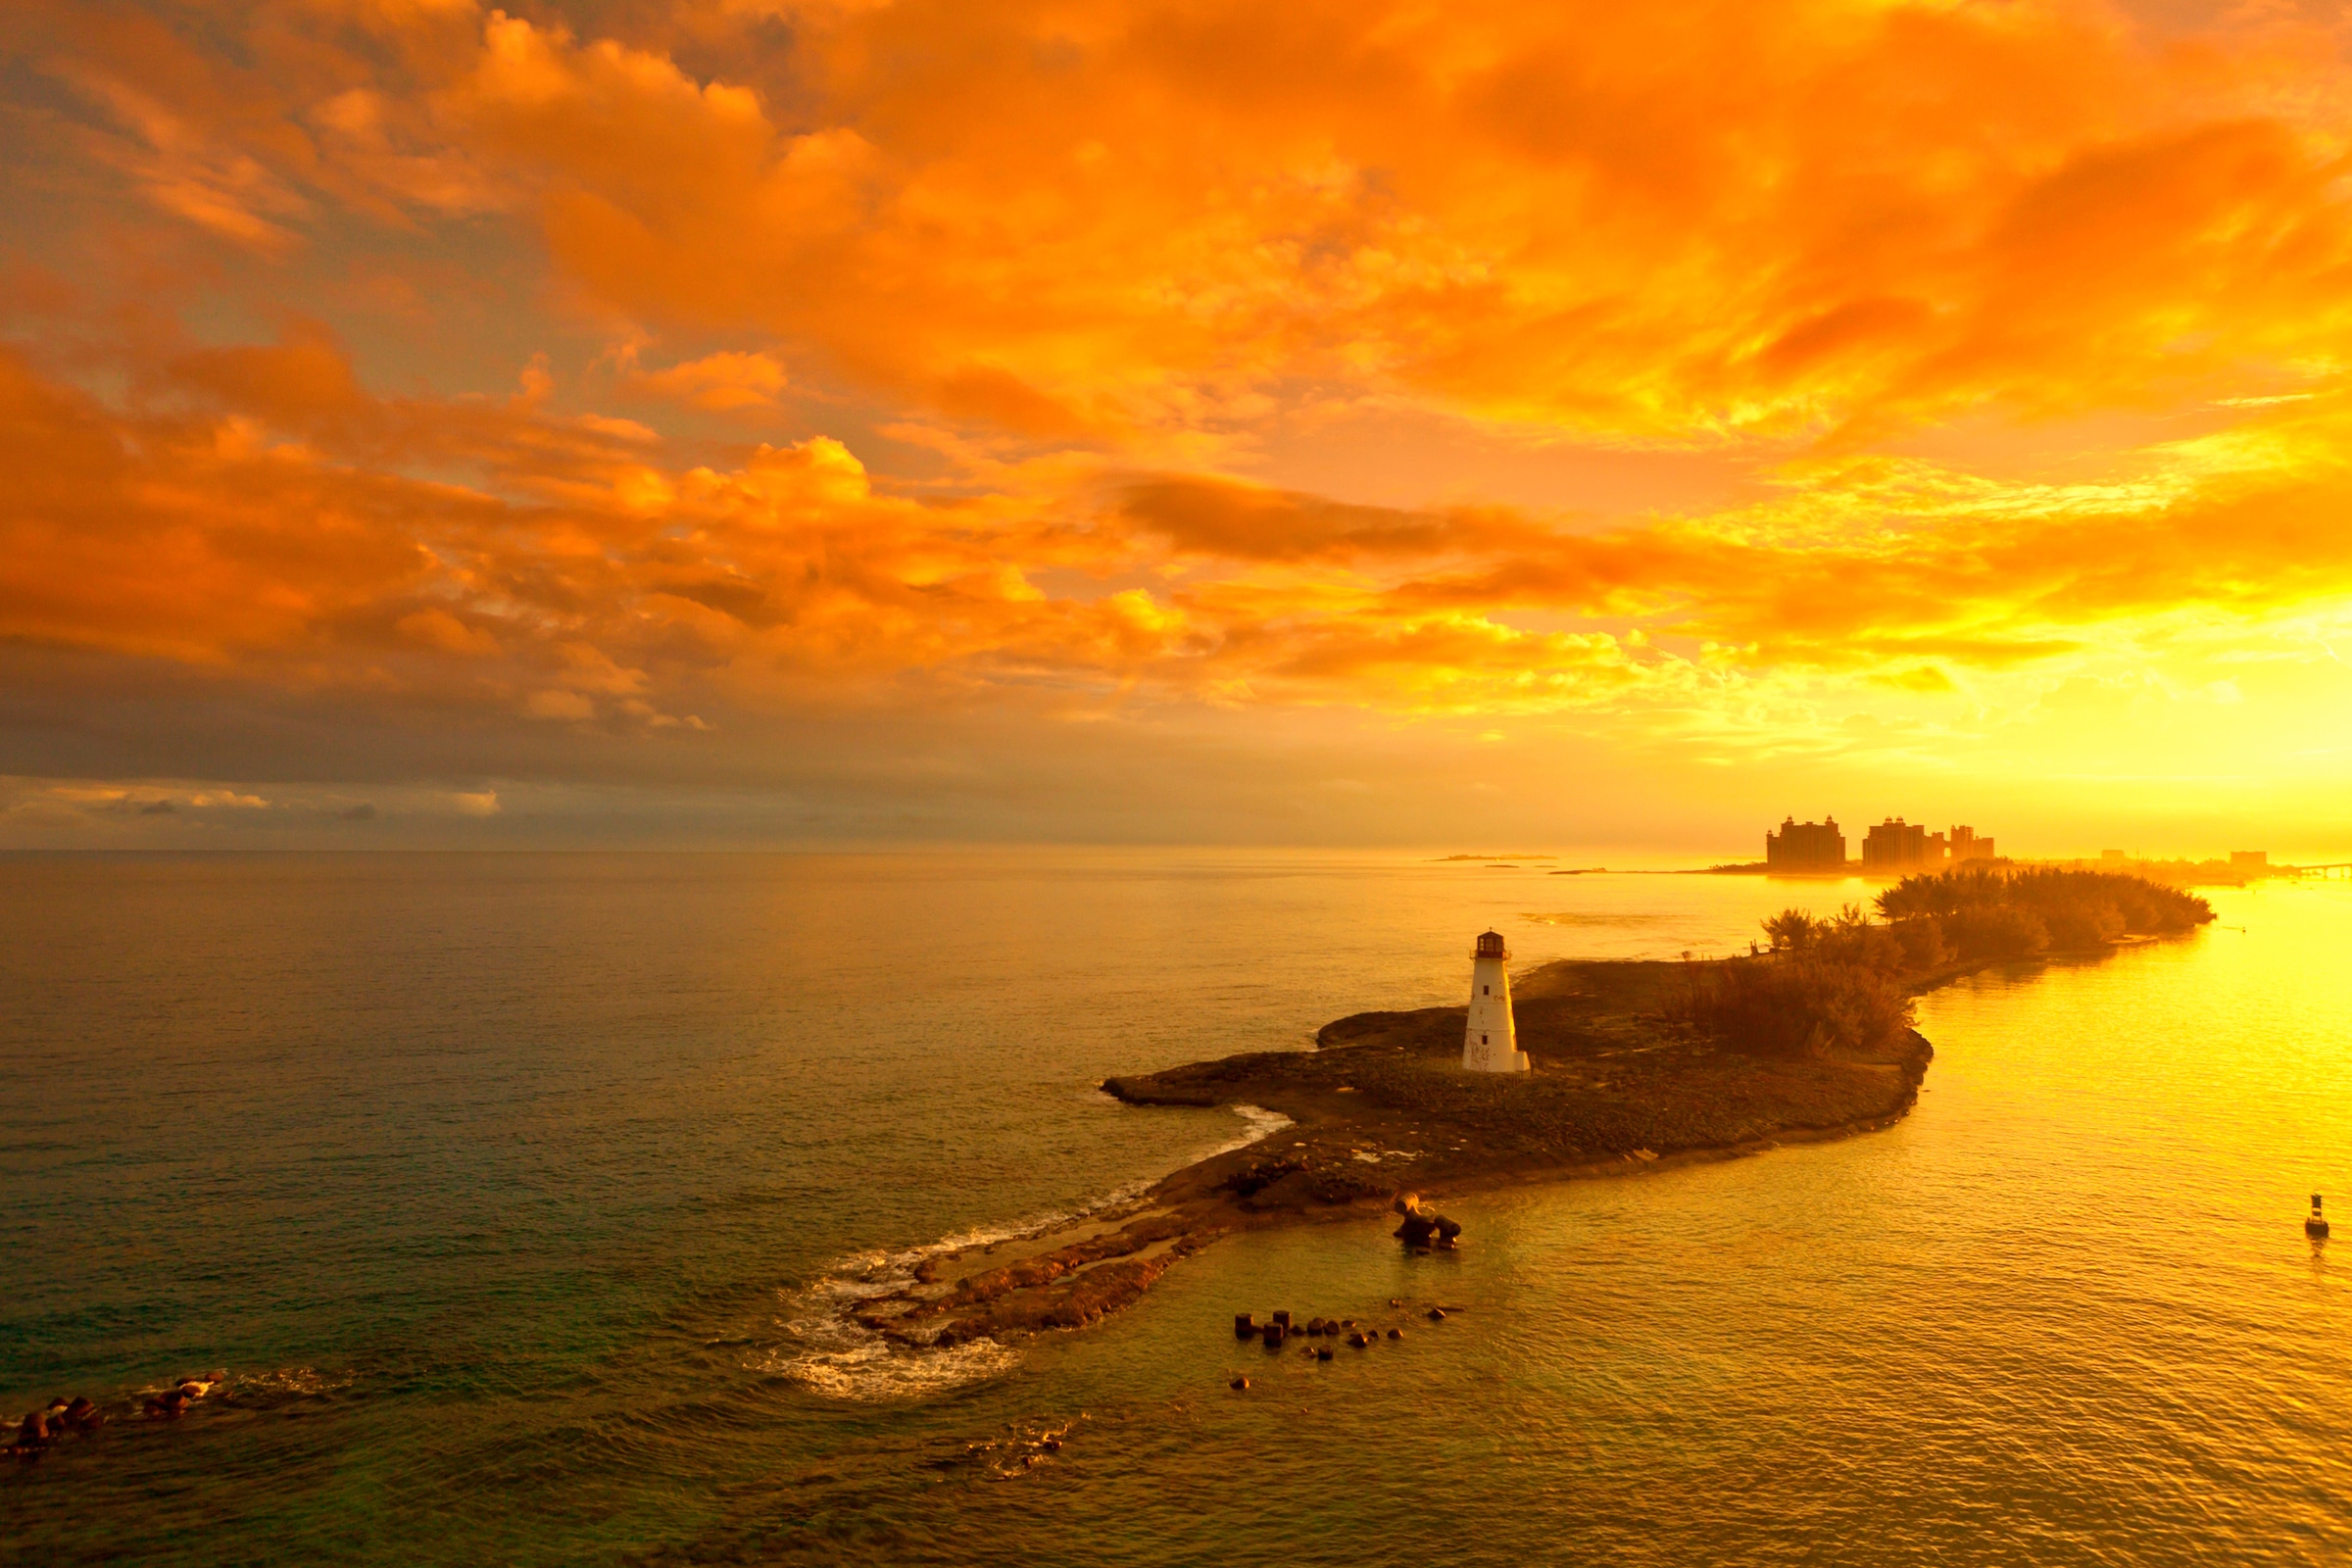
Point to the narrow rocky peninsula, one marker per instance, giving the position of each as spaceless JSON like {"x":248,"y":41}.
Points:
{"x":1383,"y":1106}
{"x":1631,"y":1064}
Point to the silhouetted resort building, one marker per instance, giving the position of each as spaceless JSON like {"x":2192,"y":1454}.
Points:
{"x":1896,"y":848}
{"x":1804,"y":846}
{"x":1964,"y":845}
{"x":1895,"y":845}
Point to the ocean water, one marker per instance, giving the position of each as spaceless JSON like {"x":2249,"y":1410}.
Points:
{"x":523,"y":1200}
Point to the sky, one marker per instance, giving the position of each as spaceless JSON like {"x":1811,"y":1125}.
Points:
{"x":736,"y":423}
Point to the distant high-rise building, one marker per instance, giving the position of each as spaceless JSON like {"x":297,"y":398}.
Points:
{"x":2249,"y":859}
{"x":1962,"y":844}
{"x":1895,"y":846}
{"x":1805,"y":846}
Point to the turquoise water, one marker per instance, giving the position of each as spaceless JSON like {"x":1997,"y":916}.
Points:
{"x":522,"y":1199}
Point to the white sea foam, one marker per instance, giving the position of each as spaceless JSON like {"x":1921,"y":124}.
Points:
{"x":1264,"y":1123}
{"x":292,"y":1380}
{"x":828,"y":1351}
{"x":860,"y":1365}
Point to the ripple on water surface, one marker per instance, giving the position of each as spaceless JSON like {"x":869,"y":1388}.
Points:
{"x":522,"y":1146}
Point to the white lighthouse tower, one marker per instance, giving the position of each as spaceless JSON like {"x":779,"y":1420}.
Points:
{"x":1492,"y":1043}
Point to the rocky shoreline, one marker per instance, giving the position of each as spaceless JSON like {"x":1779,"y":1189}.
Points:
{"x":1380,"y":1108}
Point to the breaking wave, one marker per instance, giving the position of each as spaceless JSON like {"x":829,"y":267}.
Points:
{"x":825,"y":1348}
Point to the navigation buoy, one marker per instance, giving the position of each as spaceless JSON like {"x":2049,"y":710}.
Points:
{"x":2317,"y":1224}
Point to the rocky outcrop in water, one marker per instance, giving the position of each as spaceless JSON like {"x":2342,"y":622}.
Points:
{"x":61,"y":1420}
{"x":1383,"y":1116}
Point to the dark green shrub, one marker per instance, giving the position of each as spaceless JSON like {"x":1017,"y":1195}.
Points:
{"x":1986,"y":932}
{"x":1920,"y":940}
{"x":1793,"y":930}
{"x":2083,"y":924}
{"x":2050,"y":893}
{"x":1841,"y":984}
{"x":1796,"y":1004}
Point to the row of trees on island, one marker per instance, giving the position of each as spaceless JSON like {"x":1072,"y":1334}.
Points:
{"x":1844,"y":983}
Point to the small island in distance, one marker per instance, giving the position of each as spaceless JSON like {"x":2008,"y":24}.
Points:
{"x":1634,"y":1063}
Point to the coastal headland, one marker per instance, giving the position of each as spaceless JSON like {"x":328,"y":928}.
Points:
{"x":1383,"y":1106}
{"x":1635,"y":1064}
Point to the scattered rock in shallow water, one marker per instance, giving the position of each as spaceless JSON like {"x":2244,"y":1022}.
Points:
{"x":1241,"y":1383}
{"x":1396,"y":1300}
{"x":1051,"y":1444}
{"x":1395,"y":1333}
{"x":46,"y":1428}
{"x":1324,"y":1355}
{"x":1437,"y":1314}
{"x":1359,"y":1340}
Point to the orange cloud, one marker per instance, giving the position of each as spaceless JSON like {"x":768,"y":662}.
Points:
{"x":1669,"y":224}
{"x":1871,"y":215}
{"x":723,"y":382}
{"x":2020,"y":329}
{"x":259,"y":513}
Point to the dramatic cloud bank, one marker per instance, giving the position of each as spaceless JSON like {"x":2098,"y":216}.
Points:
{"x":740,"y":419}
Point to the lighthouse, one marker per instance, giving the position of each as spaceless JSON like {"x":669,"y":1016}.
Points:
{"x":1492,"y":1043}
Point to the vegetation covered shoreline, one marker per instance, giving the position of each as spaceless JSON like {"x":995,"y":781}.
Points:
{"x":1636,"y":1063}
{"x":1845,"y":983}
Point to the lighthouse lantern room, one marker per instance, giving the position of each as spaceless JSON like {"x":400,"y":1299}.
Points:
{"x":1492,"y":1043}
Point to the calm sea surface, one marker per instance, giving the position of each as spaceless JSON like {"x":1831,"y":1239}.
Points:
{"x":523,"y":1199}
